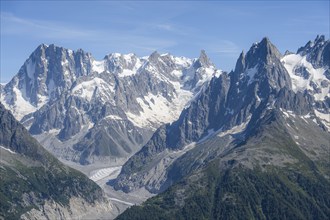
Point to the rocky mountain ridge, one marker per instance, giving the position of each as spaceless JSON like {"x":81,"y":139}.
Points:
{"x":255,"y":143}
{"x":231,"y":110}
{"x":87,"y":111}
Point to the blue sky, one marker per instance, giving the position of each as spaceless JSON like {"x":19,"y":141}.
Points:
{"x":183,"y":28}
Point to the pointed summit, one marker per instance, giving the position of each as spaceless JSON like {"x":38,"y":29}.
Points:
{"x":240,"y":64}
{"x":319,"y":38}
{"x":154,"y":57}
{"x":265,"y":40}
{"x":262,"y":64}
{"x":318,"y":42}
{"x":262,"y":52}
{"x":269,"y":48}
{"x":42,"y":47}
{"x":203,"y":60}
{"x":317,"y":51}
{"x":39,"y":51}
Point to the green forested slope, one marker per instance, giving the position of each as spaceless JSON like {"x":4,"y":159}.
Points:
{"x":29,"y":175}
{"x":248,"y":187}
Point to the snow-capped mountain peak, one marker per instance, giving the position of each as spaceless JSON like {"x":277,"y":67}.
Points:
{"x":122,"y":64}
{"x":203,"y":60}
{"x":45,"y":75}
{"x":316,"y":52}
{"x":309,"y":68}
{"x":78,"y":101}
{"x":305,"y":77}
{"x":233,"y":109}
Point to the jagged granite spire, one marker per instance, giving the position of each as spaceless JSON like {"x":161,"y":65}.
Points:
{"x":261,"y":65}
{"x":154,"y":57}
{"x":264,"y":51}
{"x":319,"y":40}
{"x":203,"y":60}
{"x":240,"y":63}
{"x":317,"y":52}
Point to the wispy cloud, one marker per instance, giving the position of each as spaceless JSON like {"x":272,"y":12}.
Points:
{"x":226,"y":47}
{"x":312,"y":20}
{"x":166,"y":27}
{"x":13,"y":25}
{"x":220,"y":46}
{"x":138,"y":38}
{"x":174,"y":29}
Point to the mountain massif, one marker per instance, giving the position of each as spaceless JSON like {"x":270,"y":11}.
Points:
{"x":253,"y":142}
{"x":230,"y":111}
{"x":90,"y":111}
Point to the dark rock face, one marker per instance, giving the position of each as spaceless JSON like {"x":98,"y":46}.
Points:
{"x":302,"y":71}
{"x":12,"y":134}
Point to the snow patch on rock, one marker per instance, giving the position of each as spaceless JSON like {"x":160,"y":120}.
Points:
{"x":316,"y":79}
{"x":94,"y":87}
